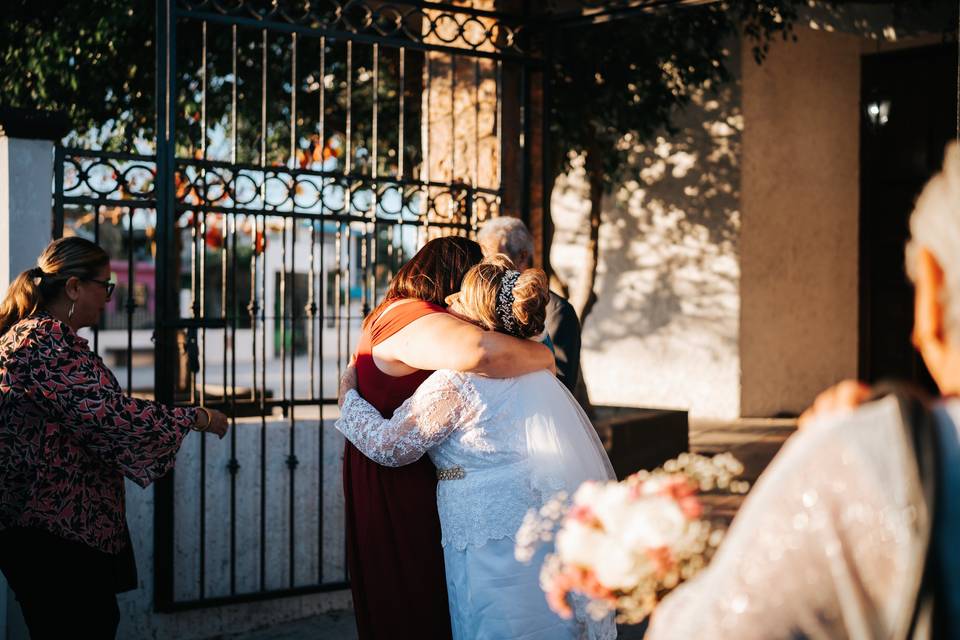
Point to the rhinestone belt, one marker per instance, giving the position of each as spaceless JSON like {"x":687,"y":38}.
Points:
{"x":453,"y":473}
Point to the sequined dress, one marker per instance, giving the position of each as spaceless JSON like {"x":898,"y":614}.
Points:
{"x":826,"y":545}
{"x":473,"y":429}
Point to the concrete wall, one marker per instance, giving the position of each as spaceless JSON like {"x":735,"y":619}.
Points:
{"x":664,"y":332}
{"x":26,"y":172}
{"x":800,"y":201}
{"x":728,"y":279}
{"x":138,"y":618}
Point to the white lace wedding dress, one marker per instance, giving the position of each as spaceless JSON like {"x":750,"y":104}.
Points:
{"x":500,"y":447}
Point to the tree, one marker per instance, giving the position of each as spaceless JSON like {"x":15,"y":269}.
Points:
{"x":94,"y":60}
{"x":630,"y":76}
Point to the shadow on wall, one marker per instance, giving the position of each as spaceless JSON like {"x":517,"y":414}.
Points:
{"x":668,"y":280}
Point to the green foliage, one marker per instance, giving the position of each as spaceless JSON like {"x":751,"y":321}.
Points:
{"x":96,"y":60}
{"x":82,"y":58}
{"x":630,"y":76}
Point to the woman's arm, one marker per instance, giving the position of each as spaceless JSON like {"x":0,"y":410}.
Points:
{"x":442,"y":341}
{"x":139,"y":437}
{"x":444,"y":402}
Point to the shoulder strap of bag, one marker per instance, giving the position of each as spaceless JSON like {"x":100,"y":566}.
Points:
{"x":921,"y":432}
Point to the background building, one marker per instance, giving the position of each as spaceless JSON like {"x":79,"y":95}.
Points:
{"x":756,"y":256}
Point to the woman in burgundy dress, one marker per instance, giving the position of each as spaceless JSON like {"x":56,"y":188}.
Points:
{"x":393,"y":531}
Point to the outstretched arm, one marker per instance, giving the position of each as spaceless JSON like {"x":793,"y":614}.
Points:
{"x":441,"y":404}
{"x":442,"y":341}
{"x":137,"y":437}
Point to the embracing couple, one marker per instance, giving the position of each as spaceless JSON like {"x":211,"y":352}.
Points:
{"x":456,"y":426}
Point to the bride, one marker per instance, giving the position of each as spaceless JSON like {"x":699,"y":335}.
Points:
{"x":501,"y":447}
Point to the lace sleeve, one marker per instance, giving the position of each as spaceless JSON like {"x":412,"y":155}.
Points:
{"x":446,"y":401}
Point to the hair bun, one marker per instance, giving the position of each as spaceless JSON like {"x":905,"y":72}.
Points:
{"x":531,"y":294}
{"x":523,"y":309}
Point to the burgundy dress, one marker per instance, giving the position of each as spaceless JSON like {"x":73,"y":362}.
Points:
{"x":393,"y":530}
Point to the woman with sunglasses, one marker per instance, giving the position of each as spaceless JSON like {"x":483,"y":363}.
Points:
{"x":68,"y":438}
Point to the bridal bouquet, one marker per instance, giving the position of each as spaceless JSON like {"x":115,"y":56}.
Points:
{"x":624,"y":545}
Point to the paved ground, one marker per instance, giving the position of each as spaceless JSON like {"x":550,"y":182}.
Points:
{"x":753,"y":441}
{"x":338,"y":625}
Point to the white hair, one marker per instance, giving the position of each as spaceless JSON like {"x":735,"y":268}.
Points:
{"x":506,"y":235}
{"x":935,"y":226}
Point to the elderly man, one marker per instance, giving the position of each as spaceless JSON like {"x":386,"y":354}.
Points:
{"x":510,"y":236}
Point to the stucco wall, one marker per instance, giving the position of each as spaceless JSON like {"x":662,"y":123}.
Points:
{"x":728,"y":278}
{"x":664,"y":331}
{"x":800,"y":203}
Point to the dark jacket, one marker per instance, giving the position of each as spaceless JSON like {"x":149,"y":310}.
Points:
{"x":563,"y":327}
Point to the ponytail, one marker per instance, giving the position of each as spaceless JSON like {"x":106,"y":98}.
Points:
{"x":21,"y":301}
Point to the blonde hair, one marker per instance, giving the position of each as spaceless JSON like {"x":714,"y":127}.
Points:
{"x":480,"y":290}
{"x":935,"y":225}
{"x":37,"y":287}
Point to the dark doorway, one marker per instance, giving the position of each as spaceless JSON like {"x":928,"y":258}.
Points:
{"x":909,"y":113}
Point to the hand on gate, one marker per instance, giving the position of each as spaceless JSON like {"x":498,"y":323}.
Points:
{"x":218,"y":423}
{"x":347,"y":381}
{"x":212,"y":421}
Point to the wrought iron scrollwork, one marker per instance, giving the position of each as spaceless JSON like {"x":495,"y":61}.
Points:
{"x":217,"y":186}
{"x":108,"y":177}
{"x":450,"y":25}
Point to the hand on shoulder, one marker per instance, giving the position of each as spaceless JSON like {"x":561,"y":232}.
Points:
{"x":843,"y":397}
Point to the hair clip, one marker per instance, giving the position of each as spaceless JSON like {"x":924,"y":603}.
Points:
{"x":505,"y":301}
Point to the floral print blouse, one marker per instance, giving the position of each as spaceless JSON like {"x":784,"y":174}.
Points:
{"x":68,"y":436}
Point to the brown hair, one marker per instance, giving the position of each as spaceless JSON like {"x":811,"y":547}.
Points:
{"x":37,"y":287}
{"x":432,"y":274}
{"x":481,"y":287}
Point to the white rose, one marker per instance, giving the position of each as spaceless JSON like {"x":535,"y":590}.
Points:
{"x":589,"y":493}
{"x":578,"y":544}
{"x":607,"y":502}
{"x":618,"y":567}
{"x":651,"y":522}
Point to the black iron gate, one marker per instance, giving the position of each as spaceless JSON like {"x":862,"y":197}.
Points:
{"x":305,"y":150}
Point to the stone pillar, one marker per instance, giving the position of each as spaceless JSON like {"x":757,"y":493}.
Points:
{"x":26,"y":175}
{"x":799,"y":251}
{"x":467,"y":140}
{"x":460,"y":119}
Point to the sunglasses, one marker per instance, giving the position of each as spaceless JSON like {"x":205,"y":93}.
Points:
{"x":106,"y":284}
